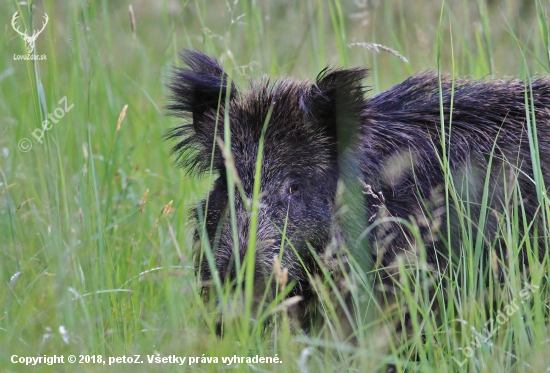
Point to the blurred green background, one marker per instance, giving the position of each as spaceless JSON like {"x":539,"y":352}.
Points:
{"x":78,"y":250}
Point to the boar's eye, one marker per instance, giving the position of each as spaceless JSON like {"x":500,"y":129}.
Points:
{"x":221,"y":182}
{"x":293,"y":189}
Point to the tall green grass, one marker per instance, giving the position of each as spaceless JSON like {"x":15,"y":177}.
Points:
{"x":81,"y":247}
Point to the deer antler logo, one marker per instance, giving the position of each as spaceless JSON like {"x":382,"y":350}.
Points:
{"x":29,"y":40}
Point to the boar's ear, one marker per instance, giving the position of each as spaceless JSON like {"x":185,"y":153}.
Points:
{"x":335,"y":102}
{"x":197,"y":92}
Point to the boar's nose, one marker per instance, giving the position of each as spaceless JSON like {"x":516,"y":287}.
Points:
{"x":241,"y":232}
{"x":263,"y":253}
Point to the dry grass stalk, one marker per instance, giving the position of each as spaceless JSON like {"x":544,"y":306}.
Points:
{"x":281,"y":274}
{"x":143,"y":200}
{"x":121,"y":117}
{"x":166,"y":208}
{"x":379,"y":47}
{"x":132,"y":21}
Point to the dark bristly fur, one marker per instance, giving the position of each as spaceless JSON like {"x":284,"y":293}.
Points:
{"x":312,"y":124}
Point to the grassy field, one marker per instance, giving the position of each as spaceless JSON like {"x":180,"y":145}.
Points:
{"x":95,"y":239}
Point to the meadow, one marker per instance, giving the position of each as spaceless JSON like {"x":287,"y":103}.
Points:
{"x":96,"y":241}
